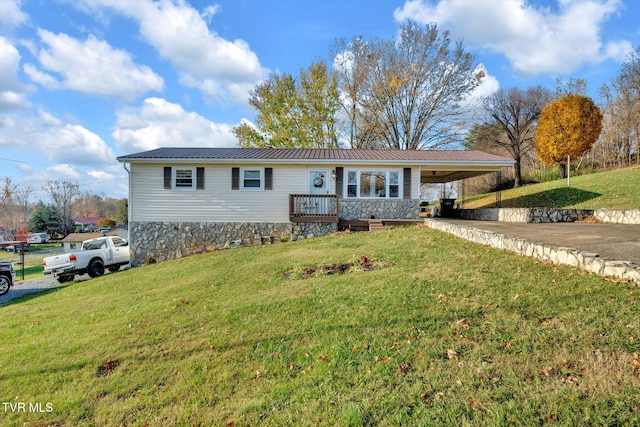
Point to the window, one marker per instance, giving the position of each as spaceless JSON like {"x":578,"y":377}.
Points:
{"x":373,"y":184}
{"x":251,"y":178}
{"x":118,"y":242}
{"x":184,"y":178}
{"x":188,"y":178}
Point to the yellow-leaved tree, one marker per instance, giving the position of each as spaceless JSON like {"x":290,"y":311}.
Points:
{"x":567,"y":127}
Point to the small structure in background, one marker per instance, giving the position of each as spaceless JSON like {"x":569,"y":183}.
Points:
{"x":73,"y":242}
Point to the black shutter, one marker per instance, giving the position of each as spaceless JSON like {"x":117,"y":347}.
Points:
{"x":200,"y":179}
{"x":235,"y":178}
{"x":406,"y":192}
{"x":268,"y":178}
{"x":167,"y":177}
{"x":339,"y":181}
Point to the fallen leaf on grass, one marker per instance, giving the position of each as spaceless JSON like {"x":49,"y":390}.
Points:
{"x":403,"y":368}
{"x":452,"y":354}
{"x":323,"y":357}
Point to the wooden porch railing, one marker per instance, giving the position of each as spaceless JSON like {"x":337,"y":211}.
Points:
{"x":313,"y":208}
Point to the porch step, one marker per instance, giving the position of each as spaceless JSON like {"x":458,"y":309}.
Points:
{"x":375,"y":225}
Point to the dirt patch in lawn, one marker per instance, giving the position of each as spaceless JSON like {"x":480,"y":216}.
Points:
{"x":364,"y":263}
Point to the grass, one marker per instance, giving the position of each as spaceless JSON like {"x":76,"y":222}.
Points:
{"x":436,"y":331}
{"x":32,"y":259}
{"x":616,"y":189}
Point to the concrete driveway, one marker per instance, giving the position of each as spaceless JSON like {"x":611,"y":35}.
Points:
{"x":620,"y":242}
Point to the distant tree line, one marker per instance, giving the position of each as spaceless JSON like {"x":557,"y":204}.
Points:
{"x":19,"y":216}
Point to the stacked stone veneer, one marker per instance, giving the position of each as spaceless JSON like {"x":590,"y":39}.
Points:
{"x":379,"y":208}
{"x":559,"y":255}
{"x":613,"y":216}
{"x":161,"y":241}
{"x":548,"y":215}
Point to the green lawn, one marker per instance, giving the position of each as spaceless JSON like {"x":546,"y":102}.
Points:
{"x":33,"y":260}
{"x":427,"y":330}
{"x":617,"y":189}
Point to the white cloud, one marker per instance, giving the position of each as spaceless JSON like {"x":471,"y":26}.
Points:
{"x":223,"y":70}
{"x":159,"y":123}
{"x":535,"y":40}
{"x":54,"y":140}
{"x":12,"y":93}
{"x":10,"y":15}
{"x":488,"y":86}
{"x":91,"y":66}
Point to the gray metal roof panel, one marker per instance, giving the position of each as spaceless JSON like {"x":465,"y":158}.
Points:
{"x":228,"y":154}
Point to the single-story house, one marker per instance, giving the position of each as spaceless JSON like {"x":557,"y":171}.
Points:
{"x":86,"y":225}
{"x":189,"y":200}
{"x":120,"y":230}
{"x":73,"y":241}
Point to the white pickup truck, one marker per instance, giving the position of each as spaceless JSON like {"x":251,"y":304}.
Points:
{"x":109,"y":252}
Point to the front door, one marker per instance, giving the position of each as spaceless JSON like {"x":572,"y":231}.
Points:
{"x":318,"y":182}
{"x":318,"y":186}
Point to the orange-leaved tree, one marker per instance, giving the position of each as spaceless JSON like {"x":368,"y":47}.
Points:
{"x":567,"y":127}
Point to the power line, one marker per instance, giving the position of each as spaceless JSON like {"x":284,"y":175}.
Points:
{"x":26,"y":163}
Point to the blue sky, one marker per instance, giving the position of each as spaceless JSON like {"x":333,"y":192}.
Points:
{"x":84,"y":81}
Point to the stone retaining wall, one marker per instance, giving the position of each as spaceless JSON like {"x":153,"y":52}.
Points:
{"x":379,"y":208}
{"x":548,"y":215}
{"x":161,"y":241}
{"x":613,"y":216}
{"x":559,"y":255}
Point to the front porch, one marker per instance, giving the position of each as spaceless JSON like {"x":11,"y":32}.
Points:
{"x":330,"y":208}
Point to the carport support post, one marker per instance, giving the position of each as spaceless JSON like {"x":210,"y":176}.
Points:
{"x":498,"y":191}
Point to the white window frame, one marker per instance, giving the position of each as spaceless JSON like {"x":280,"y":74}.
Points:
{"x":242,"y":179}
{"x":174,"y":178}
{"x":388,"y":184}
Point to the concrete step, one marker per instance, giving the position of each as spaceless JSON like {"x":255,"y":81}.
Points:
{"x":375,"y":225}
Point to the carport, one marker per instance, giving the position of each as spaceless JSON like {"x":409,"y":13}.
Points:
{"x":468,"y":164}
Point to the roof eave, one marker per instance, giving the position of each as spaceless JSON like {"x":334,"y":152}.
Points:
{"x":440,"y":163}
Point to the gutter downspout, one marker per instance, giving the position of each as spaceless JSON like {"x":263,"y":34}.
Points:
{"x":124,"y":165}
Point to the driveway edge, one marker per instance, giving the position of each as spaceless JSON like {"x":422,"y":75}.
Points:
{"x":588,"y":261}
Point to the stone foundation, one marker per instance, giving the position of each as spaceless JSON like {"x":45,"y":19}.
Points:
{"x":379,"y":208}
{"x":558,"y":255}
{"x":161,"y":241}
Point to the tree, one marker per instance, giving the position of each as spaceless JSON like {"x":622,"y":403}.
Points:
{"x":46,"y":219}
{"x":14,"y":202}
{"x":62,"y":195}
{"x":293,"y":113}
{"x":567,"y":127}
{"x":352,"y":61}
{"x":512,"y":115}
{"x":122,"y":214}
{"x":411,"y":95}
{"x":621,"y":128}
{"x":106,"y":222}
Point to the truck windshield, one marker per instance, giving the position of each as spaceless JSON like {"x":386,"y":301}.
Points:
{"x":94,"y":244}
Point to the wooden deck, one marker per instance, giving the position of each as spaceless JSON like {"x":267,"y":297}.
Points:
{"x":375,"y":224}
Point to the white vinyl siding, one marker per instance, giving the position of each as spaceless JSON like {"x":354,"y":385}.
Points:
{"x":217,"y":202}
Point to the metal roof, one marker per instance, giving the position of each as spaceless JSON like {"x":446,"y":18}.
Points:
{"x":285,"y":155}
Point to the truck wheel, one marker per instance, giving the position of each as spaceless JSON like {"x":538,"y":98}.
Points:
{"x":96,"y":268}
{"x":5,"y":284}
